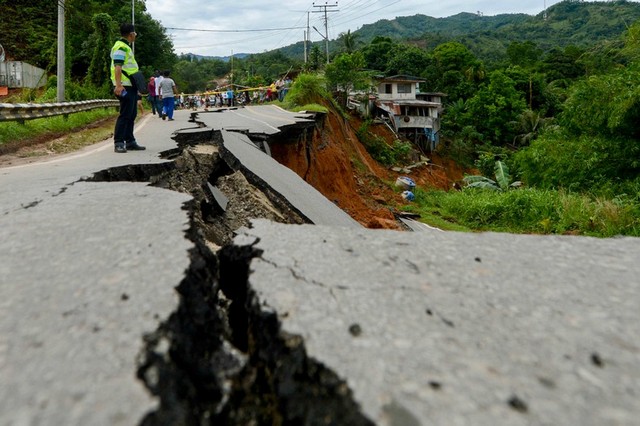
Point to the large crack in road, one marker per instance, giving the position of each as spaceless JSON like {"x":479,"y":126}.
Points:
{"x":219,"y":358}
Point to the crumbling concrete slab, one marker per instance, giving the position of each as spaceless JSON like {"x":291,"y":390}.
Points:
{"x":241,"y":154}
{"x":265,"y":119}
{"x":457,"y":329}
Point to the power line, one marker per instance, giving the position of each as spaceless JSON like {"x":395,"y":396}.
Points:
{"x":326,"y":22}
{"x":234,"y":31}
{"x":287,"y":35}
{"x":365,"y":14}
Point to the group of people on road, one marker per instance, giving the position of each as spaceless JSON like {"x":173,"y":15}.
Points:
{"x":278,"y":89}
{"x":162,"y":92}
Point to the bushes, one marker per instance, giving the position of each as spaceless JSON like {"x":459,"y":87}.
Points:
{"x":382,"y":152}
{"x":534,"y":211}
{"x":308,"y":89}
{"x":579,"y":163}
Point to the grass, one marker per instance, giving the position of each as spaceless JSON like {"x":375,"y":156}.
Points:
{"x":527,"y":211}
{"x":309,"y":107}
{"x":95,"y":126}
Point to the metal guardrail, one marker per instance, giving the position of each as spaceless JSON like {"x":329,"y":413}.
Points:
{"x":22,"y":112}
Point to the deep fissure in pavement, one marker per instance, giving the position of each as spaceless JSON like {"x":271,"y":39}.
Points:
{"x":220,"y":358}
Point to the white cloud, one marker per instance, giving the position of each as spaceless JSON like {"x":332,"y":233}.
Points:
{"x":290,"y":19}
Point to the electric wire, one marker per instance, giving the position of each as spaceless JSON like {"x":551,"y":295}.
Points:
{"x":350,"y":11}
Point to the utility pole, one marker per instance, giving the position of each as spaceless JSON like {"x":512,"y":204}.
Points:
{"x":133,"y":22}
{"x":326,"y":21}
{"x":306,"y":37}
{"x":61,"y":62}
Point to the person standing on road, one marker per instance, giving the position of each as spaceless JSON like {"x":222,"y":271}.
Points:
{"x":122,"y":59}
{"x":158,"y":79}
{"x":168,"y":90}
{"x":153,"y":99}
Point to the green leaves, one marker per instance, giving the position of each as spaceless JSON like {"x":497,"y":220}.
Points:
{"x":501,"y":183}
{"x":502,"y":175}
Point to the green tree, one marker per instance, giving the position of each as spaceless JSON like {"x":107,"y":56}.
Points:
{"x":316,"y":58}
{"x":349,"y":41}
{"x":528,"y":126}
{"x":345,"y":74}
{"x":598,"y":146}
{"x":189,"y":77}
{"x":494,"y":108}
{"x":455,"y":71}
{"x":99,"y":69}
{"x":453,"y":56}
{"x":605,"y":104}
{"x":378,"y":53}
{"x":525,"y":54}
{"x":28,"y":31}
{"x":308,"y":88}
{"x":563,"y":64}
{"x":408,"y":59}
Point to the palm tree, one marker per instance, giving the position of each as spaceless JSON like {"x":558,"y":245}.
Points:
{"x":349,"y":41}
{"x":475,"y":72}
{"x":529,"y":125}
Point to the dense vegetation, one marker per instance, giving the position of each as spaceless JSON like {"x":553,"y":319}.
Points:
{"x":555,"y":100}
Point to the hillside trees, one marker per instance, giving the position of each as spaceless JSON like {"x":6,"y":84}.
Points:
{"x":349,"y":41}
{"x":378,"y":52}
{"x":598,"y":146}
{"x":525,"y":54}
{"x":346,"y":74}
{"x":455,"y":71}
{"x":28,"y":30}
{"x":494,"y":108}
{"x":99,"y":69}
{"x":408,"y":60}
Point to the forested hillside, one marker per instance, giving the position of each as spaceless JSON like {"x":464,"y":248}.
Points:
{"x":28,"y":32}
{"x":567,"y":23}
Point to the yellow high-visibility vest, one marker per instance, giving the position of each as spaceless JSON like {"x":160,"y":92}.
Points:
{"x":122,"y":51}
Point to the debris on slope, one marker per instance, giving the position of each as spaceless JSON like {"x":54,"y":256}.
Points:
{"x":333,"y":160}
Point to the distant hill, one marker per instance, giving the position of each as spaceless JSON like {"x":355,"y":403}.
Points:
{"x":417,"y":25}
{"x":569,"y":22}
{"x":194,"y":56}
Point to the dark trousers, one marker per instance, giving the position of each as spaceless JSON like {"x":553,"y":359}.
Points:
{"x":123,"y":132}
{"x":154,"y":103}
{"x":158,"y":105}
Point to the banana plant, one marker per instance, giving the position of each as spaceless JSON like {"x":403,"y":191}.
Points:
{"x":502,"y":180}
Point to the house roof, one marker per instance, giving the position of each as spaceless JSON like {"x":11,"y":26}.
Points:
{"x":401,"y":78}
{"x":409,"y":102}
{"x":432,"y":94}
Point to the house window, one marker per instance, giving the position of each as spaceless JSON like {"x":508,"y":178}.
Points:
{"x":404,"y":88}
{"x":388,"y":89}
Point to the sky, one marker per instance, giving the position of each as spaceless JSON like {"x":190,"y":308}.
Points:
{"x":224,"y":27}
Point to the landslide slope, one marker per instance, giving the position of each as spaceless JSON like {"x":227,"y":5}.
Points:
{"x":336,"y":163}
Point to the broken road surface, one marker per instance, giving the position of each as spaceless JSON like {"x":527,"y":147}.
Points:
{"x":140,"y":288}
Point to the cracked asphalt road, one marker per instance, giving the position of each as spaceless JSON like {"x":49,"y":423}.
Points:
{"x":105,"y":279}
{"x":458,"y":328}
{"x":86,"y":269}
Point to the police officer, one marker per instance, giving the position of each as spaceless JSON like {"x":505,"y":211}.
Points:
{"x":122,"y":60}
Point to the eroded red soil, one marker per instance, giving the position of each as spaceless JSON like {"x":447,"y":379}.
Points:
{"x":338,"y":165}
